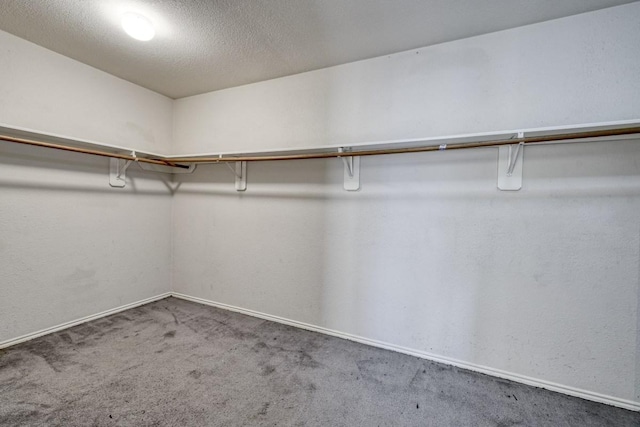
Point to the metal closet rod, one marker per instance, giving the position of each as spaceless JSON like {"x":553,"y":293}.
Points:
{"x":175,"y":161}
{"x":381,"y":151}
{"x":154,"y":161}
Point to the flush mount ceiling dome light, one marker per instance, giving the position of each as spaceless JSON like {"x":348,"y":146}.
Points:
{"x":137,"y":26}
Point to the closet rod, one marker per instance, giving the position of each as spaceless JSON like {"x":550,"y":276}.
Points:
{"x":175,"y":161}
{"x":455,"y":146}
{"x":158,"y":161}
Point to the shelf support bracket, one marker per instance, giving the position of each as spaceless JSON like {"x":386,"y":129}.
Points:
{"x":351,"y":170}
{"x":510,"y":162}
{"x":118,"y":171}
{"x":239,"y":170}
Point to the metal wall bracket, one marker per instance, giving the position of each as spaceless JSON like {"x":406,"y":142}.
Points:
{"x":167,"y":169}
{"x":118,"y":172}
{"x":118,"y":169}
{"x":351,"y":170}
{"x":510,"y":162}
{"x":240,"y":172}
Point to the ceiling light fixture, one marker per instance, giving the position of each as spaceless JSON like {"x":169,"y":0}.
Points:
{"x":137,"y":26}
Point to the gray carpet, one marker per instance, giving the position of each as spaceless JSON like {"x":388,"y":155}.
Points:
{"x":176,"y":363}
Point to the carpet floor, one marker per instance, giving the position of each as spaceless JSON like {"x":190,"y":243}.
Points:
{"x":177,"y":363}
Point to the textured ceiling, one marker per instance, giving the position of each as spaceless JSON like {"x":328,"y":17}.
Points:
{"x":205,"y":45}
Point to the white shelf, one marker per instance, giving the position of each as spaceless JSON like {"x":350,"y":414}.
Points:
{"x":333,"y":147}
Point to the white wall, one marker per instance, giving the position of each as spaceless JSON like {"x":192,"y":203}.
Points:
{"x":70,"y":245}
{"x":49,"y":93}
{"x":429,"y":255}
{"x":580,"y":69}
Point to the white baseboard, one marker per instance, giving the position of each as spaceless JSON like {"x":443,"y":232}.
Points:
{"x":571,"y":391}
{"x":27,"y":337}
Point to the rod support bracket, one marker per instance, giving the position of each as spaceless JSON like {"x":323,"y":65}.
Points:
{"x":240,"y":173}
{"x":351,"y":170}
{"x":118,"y":172}
{"x":510,"y":162}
